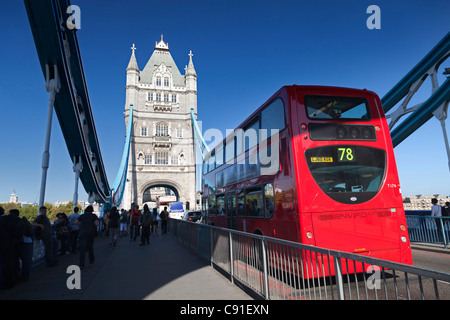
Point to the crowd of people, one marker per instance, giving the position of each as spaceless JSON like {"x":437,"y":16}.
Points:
{"x":69,"y":234}
{"x":135,"y":223}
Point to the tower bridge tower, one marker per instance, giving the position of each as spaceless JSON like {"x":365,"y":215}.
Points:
{"x":162,"y":152}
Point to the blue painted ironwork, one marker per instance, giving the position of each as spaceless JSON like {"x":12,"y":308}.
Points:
{"x":118,"y":186}
{"x":57,"y":45}
{"x":428,"y":229}
{"x":421,"y":115}
{"x":401,"y":89}
{"x":408,"y":86}
{"x":201,"y":143}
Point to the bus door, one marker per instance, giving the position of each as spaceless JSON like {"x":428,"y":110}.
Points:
{"x":231,"y":210}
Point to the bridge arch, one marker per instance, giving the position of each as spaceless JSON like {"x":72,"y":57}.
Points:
{"x":173,"y":186}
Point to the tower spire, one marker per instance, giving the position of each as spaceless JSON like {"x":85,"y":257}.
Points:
{"x":133,"y":63}
{"x":190,"y":70}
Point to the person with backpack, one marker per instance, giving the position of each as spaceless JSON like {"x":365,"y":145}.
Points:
{"x":135,"y":218}
{"x":146,"y":223}
{"x":113,"y":225}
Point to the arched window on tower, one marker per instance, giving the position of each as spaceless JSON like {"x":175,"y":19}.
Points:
{"x":158,"y":81}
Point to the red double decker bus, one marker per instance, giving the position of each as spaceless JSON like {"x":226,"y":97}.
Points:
{"x":314,"y":165}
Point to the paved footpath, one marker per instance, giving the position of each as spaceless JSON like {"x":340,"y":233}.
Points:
{"x":163,"y":270}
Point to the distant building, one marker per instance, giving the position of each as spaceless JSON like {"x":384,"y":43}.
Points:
{"x":421,"y":202}
{"x":13,"y":198}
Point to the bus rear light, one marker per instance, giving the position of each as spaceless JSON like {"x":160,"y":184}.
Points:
{"x":377,"y":128}
{"x":403,"y":239}
{"x":309,"y":235}
{"x":402,"y":227}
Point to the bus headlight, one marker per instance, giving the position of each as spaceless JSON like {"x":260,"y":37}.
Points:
{"x":403,"y":239}
{"x":402,"y":227}
{"x":309,"y":235}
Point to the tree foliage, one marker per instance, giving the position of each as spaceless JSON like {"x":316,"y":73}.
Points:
{"x":32,"y":211}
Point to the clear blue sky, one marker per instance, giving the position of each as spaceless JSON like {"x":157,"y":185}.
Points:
{"x":243,"y":52}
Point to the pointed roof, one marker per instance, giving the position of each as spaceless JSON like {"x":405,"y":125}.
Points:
{"x":190,"y":70}
{"x":133,"y":63}
{"x":159,"y":56}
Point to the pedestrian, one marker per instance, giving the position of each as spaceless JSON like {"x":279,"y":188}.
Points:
{"x":12,"y":230}
{"x":62,"y":232}
{"x":104,"y":221}
{"x":446,"y":210}
{"x":155,"y":221}
{"x":436,"y":211}
{"x":45,"y":234}
{"x":146,"y":222}
{"x":123,"y":223}
{"x":135,"y":219}
{"x":88,"y":223}
{"x":26,"y":250}
{"x":2,"y":212}
{"x":23,"y":246}
{"x":75,"y":230}
{"x":164,"y":219}
{"x":113,"y":225}
{"x":445,"y":214}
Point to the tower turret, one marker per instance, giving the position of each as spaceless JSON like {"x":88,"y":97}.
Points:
{"x":191,"y":84}
{"x":132,"y":80}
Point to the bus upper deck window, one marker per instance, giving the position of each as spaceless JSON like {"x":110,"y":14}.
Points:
{"x":337,"y":108}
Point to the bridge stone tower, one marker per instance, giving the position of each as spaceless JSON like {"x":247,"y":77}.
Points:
{"x":162,"y":151}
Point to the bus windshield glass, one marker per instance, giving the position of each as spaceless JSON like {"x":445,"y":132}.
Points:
{"x":347,"y":173}
{"x":337,"y":108}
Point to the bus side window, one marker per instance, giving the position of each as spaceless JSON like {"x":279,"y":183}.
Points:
{"x":253,"y":202}
{"x":212,"y":205}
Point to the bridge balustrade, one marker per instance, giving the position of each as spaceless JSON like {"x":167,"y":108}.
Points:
{"x":277,"y":269}
{"x":428,"y":229}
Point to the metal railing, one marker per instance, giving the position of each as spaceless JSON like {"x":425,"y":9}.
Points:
{"x":277,"y":269}
{"x":428,"y":229}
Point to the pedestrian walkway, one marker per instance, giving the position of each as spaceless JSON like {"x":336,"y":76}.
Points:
{"x":163,"y":270}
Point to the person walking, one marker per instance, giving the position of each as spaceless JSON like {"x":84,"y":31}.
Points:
{"x":113,"y":225}
{"x":26,"y":250}
{"x":155,"y":221}
{"x":75,"y":230}
{"x":62,"y":232}
{"x":134,"y":222}
{"x":45,"y":234}
{"x":436,"y":212}
{"x":164,"y":215}
{"x":88,"y":223}
{"x":123,"y":223}
{"x":146,"y":222}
